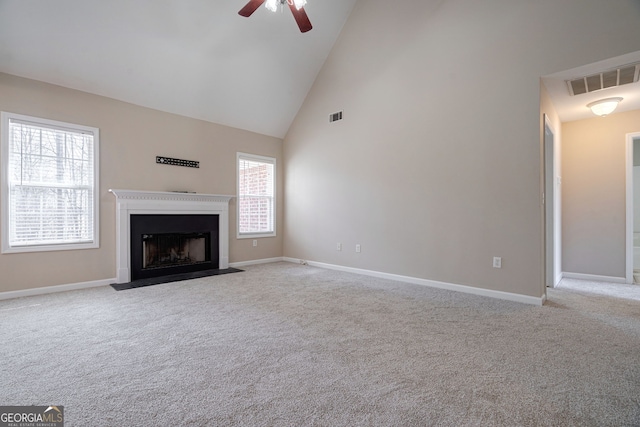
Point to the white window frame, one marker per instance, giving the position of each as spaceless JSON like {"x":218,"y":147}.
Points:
{"x":5,"y":118}
{"x":261,"y":159}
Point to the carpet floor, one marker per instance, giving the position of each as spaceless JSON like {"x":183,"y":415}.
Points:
{"x":290,"y":345}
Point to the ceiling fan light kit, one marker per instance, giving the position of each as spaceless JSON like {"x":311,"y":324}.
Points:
{"x":296,"y":6}
{"x":272,"y":5}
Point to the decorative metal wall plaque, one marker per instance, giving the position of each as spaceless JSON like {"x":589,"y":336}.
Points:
{"x":177,"y":162}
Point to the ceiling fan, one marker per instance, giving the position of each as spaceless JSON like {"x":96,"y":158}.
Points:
{"x":296,"y":7}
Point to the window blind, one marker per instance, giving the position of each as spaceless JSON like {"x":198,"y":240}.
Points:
{"x":51,"y":184}
{"x":256,"y":191}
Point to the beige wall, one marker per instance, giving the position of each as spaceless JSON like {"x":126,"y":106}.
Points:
{"x":435,"y":168}
{"x":594,"y":191}
{"x":130,"y":138}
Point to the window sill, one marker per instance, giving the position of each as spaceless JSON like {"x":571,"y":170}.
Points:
{"x":255,"y":235}
{"x":48,"y":248}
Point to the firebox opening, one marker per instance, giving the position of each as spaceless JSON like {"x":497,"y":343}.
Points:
{"x":173,"y":249}
{"x":169,"y":244}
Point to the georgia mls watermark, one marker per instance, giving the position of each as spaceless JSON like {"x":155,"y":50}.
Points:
{"x":31,"y":416}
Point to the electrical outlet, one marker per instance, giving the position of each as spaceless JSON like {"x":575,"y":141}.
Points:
{"x":497,"y":262}
{"x":358,"y":248}
{"x":255,"y":243}
{"x":339,"y":247}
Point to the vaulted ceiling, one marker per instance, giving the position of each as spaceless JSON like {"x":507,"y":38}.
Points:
{"x":200,"y":59}
{"x":196,"y":58}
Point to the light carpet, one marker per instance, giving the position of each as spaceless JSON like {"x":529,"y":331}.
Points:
{"x":289,"y":345}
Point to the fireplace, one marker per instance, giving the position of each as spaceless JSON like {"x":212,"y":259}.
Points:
{"x":165,"y":233}
{"x":167,"y":244}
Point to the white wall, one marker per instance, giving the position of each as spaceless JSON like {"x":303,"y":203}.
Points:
{"x":435,"y":168}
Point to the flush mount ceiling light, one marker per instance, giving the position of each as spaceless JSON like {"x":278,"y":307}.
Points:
{"x":604,"y":106}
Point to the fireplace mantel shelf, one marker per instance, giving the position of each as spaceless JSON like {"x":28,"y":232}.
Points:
{"x":169,"y":196}
{"x":135,"y":202}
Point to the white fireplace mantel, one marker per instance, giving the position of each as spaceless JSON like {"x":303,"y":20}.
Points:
{"x":133,"y":202}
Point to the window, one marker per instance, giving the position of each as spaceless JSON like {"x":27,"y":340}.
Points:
{"x":256,"y":196}
{"x":49,"y":185}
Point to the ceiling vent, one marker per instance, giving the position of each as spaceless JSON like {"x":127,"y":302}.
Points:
{"x":612,"y":78}
{"x":335,"y":117}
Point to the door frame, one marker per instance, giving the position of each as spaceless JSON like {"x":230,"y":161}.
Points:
{"x":552,"y":240}
{"x":630,"y":137}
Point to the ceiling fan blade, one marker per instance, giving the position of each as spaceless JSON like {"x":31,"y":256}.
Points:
{"x":301,"y":18}
{"x":250,"y":7}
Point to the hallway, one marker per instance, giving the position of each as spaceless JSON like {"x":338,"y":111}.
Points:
{"x":609,"y":289}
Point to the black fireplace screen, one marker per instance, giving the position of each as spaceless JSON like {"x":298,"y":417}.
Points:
{"x":167,"y":244}
{"x":172,"y":249}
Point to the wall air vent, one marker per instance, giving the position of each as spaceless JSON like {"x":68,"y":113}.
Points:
{"x":612,"y":78}
{"x":335,"y":117}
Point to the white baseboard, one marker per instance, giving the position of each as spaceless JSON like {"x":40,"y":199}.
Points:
{"x":593,"y":277}
{"x":406,"y":279}
{"x":430,"y":283}
{"x":104,"y":282}
{"x":255,"y":261}
{"x":54,"y":289}
{"x":558,"y":279}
